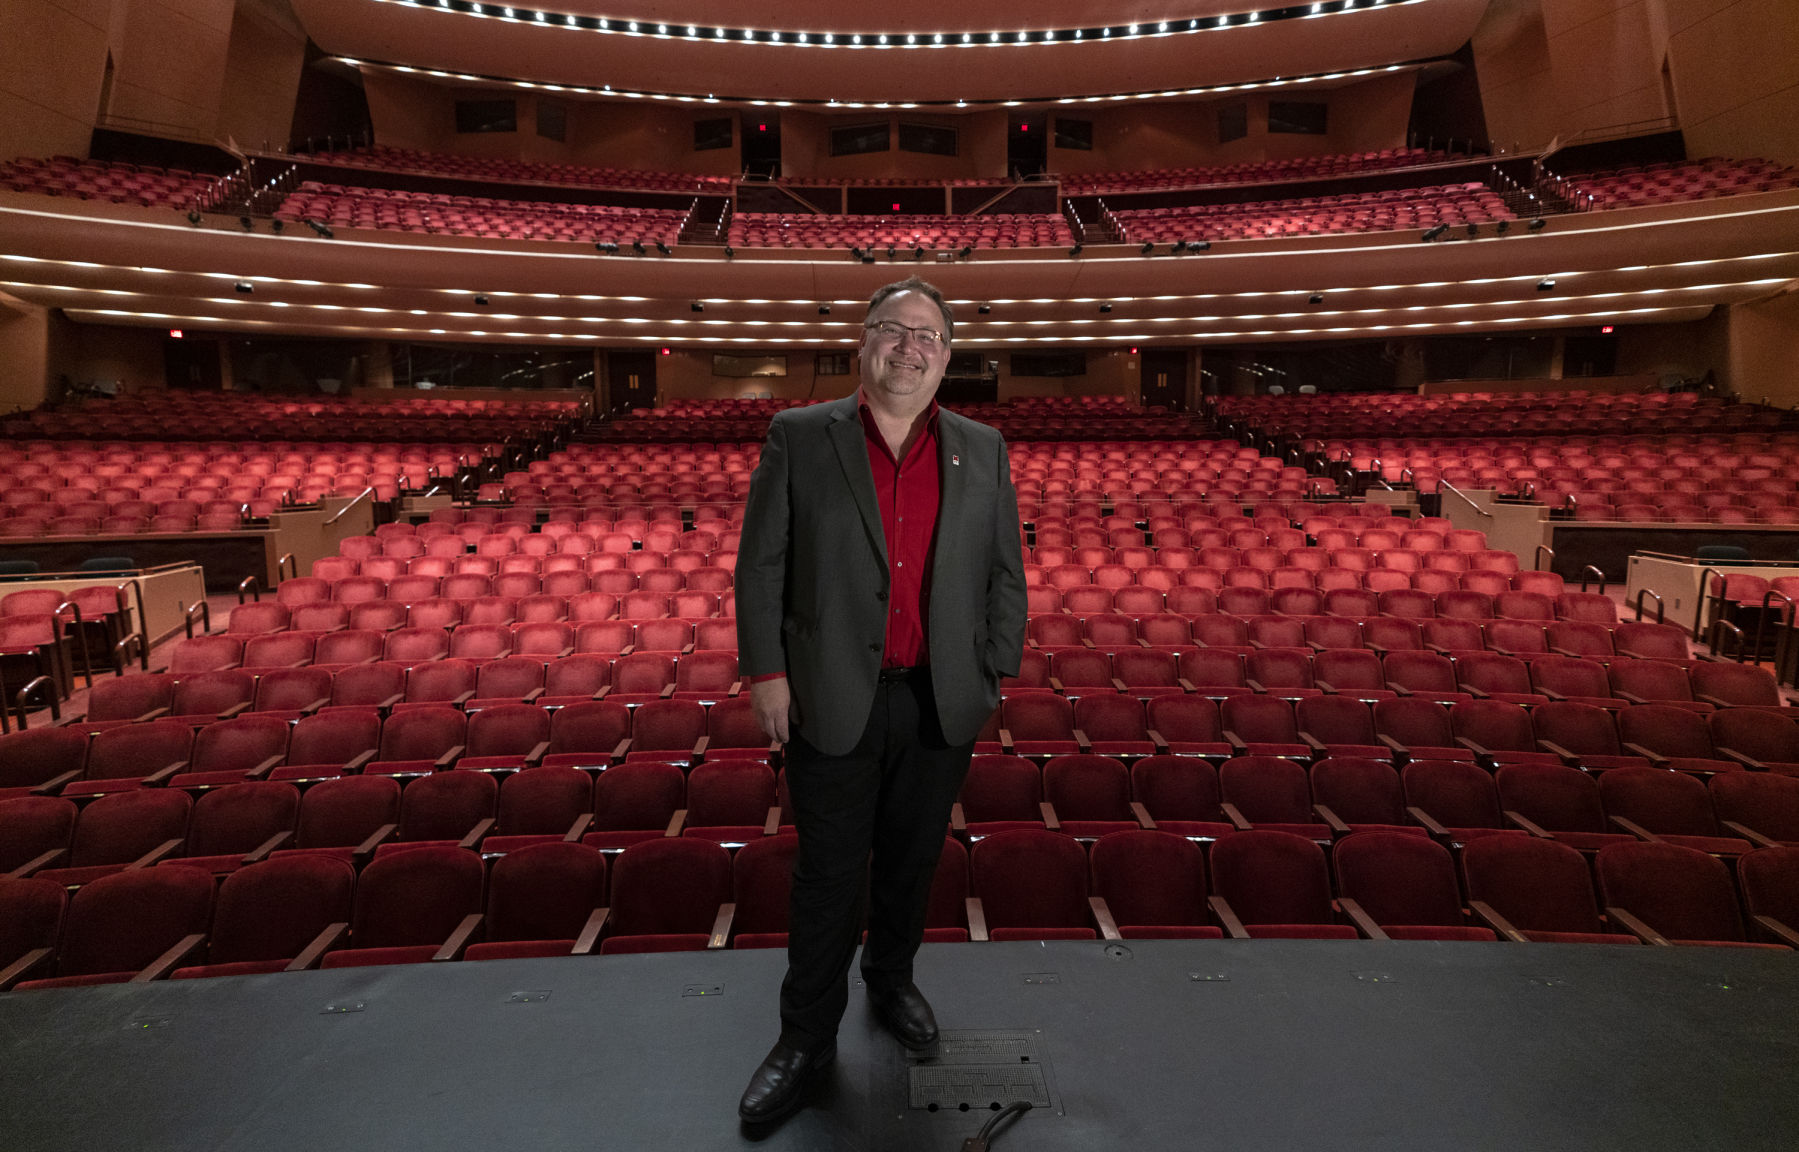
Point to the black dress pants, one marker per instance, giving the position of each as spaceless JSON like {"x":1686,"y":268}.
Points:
{"x":872,"y":820}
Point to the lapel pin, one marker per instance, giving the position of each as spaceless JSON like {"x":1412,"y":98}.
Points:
{"x":955,"y":459}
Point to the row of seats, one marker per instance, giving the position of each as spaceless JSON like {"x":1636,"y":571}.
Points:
{"x":998,"y":230}
{"x":1455,"y":204}
{"x":119,"y":182}
{"x":1253,"y":172}
{"x":284,"y":425}
{"x":433,"y":213}
{"x":387,"y":158}
{"x":440,"y":903}
{"x":1674,"y":182}
{"x":1491,"y":417}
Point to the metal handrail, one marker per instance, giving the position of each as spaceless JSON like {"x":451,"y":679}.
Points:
{"x":201,"y":609}
{"x":369,"y":491}
{"x":1465,"y":498}
{"x":23,"y":697}
{"x":1712,"y":637}
{"x":1660,"y":613}
{"x":143,"y":624}
{"x":290,"y":562}
{"x":87,"y":661}
{"x":1595,"y":570}
{"x":1536,"y":563}
{"x":252,"y":585}
{"x":1781,"y":636}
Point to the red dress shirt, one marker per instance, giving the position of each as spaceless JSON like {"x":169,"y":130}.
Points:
{"x":907,"y":492}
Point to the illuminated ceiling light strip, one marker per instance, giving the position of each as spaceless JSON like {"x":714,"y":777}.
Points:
{"x":608,"y":90}
{"x":1555,"y":319}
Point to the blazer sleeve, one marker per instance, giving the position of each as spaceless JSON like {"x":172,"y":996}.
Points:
{"x":1005,"y":582}
{"x":761,"y":578}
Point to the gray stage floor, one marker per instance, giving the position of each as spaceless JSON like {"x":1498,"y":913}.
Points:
{"x":1155,"y":1045}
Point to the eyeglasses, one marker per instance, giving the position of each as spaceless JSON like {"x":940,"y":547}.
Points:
{"x":895,"y":331}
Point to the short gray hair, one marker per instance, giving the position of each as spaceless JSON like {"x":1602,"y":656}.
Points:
{"x":923,"y":288}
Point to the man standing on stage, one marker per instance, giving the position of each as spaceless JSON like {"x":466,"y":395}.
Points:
{"x":880,"y":599}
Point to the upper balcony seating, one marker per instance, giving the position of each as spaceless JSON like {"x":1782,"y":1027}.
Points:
{"x":797,"y":230}
{"x":1391,"y":210}
{"x":1263,"y":172}
{"x":118,"y":182}
{"x":1675,"y":182}
{"x":427,"y":212}
{"x":389,"y":159}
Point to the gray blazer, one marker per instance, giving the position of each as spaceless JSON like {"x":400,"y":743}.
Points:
{"x":812,"y":574}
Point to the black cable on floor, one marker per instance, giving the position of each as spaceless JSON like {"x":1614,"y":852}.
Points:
{"x":982,"y":1141}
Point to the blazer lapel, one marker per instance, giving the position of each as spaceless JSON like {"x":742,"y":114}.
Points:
{"x":851,"y":443}
{"x":952,"y":492}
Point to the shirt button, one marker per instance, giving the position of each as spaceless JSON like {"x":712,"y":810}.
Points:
{"x":874,"y":647}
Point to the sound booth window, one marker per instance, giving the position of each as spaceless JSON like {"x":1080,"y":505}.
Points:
{"x":1297,"y":117}
{"x":1049,"y":363}
{"x":927,"y":138}
{"x":709,"y":134}
{"x":487,"y":116}
{"x":857,"y":139}
{"x":1075,"y":134}
{"x":831,"y":364}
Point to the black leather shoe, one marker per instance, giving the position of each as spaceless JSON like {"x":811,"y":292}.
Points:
{"x":905,"y":1013}
{"x":778,"y":1087}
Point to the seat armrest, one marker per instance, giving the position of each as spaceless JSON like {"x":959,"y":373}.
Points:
{"x":535,"y":757}
{"x":1398,"y":689}
{"x":1649,"y":754}
{"x":1255,"y":685}
{"x":1186,"y":685}
{"x":773,"y":823}
{"x":958,"y":820}
{"x":1081,"y":742}
{"x":23,"y":966}
{"x":1236,"y":817}
{"x":1144,"y":820}
{"x":1056,"y":686}
{"x":531,"y":696}
{"x":261,"y":851}
{"x":475,"y":835}
{"x":1393,"y":745}
{"x":618,"y":753}
{"x":309,"y":709}
{"x":1336,"y":824}
{"x":600,"y":692}
{"x":699,"y":749}
{"x":1227,"y":918}
{"x":1489,"y":915}
{"x":459,"y":939}
{"x":1636,"y":927}
{"x":160,"y":967}
{"x":235,"y":710}
{"x":1325,"y":686}
{"x":156,"y":855}
{"x":1521,"y":821}
{"x":329,"y":937}
{"x":578,"y":828}
{"x":667,"y":692}
{"x":1312,"y":742}
{"x":42,"y":860}
{"x":1102,"y":916}
{"x":1119,"y":686}
{"x":721,"y":926}
{"x":1714,"y":701}
{"x":1567,"y":757}
{"x":55,"y":784}
{"x":1744,"y":759}
{"x":163,"y":774}
{"x":1156,"y":739}
{"x":1768,"y":924}
{"x":361,"y":761}
{"x":1635,"y":829}
{"x":1005,"y":741}
{"x":675,"y":823}
{"x":1479,"y":750}
{"x":367,"y":848}
{"x":1428,"y":823}
{"x":464,"y":698}
{"x":590,"y":932}
{"x":396,"y":698}
{"x":264,"y":768}
{"x":1750,"y":834}
{"x":977,"y":918}
{"x":1359,"y":917}
{"x":450,"y":756}
{"x":1050,"y":821}
{"x":1238,"y":747}
{"x":1477,"y":693}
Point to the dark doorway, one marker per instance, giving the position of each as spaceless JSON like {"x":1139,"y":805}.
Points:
{"x":761,"y":133}
{"x":191,"y":364}
{"x":631,"y":380}
{"x":1027,"y":146}
{"x":1164,"y":381}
